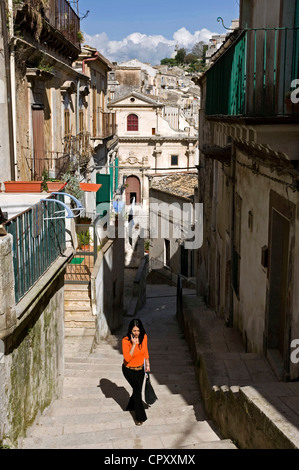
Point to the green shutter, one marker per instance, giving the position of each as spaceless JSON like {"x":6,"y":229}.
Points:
{"x":111,"y":181}
{"x":103,"y":194}
{"x":116,"y":173}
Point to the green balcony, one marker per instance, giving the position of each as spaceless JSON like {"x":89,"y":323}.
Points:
{"x":253,"y":78}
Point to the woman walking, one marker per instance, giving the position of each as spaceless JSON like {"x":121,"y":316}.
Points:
{"x":136,"y":362}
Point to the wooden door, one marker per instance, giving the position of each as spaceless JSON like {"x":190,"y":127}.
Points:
{"x":38,"y":132}
{"x":133,"y":190}
{"x":279,"y":260}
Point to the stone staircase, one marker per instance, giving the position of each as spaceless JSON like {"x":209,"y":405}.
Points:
{"x":91,"y":412}
{"x":77,"y":307}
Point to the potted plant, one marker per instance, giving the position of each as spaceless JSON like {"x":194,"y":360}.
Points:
{"x":55,"y":185}
{"x":84,"y":240}
{"x":85,"y":220}
{"x":23,"y":186}
{"x":51,"y":185}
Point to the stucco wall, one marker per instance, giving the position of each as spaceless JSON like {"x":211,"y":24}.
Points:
{"x":32,"y":366}
{"x":107,"y":288}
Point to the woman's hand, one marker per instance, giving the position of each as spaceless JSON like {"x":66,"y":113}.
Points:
{"x":134,"y":340}
{"x":147,"y":367}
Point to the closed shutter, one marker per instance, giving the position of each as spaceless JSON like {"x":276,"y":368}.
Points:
{"x":103,"y":195}
{"x":116,"y":173}
{"x":38,"y":140}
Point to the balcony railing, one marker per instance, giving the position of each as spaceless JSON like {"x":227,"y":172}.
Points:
{"x":253,"y":77}
{"x":60,"y":15}
{"x":106,"y":125}
{"x":37,"y":243}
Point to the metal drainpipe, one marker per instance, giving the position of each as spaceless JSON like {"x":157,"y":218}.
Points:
{"x":13,"y":84}
{"x":9,"y":90}
{"x":88,"y":60}
{"x":77,"y":106}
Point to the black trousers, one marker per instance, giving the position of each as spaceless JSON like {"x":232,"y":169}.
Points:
{"x":135,"y":379}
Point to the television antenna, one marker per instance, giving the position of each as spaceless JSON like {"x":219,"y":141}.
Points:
{"x":75,"y":4}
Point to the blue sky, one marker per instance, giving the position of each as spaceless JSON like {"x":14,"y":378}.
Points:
{"x":149,"y":31}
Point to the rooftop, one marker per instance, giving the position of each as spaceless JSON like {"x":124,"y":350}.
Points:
{"x":178,"y":184}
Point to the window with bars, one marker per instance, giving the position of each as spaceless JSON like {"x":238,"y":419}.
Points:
{"x":174,"y":160}
{"x":132,"y":122}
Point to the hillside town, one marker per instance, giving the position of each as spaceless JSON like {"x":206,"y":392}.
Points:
{"x":167,"y":193}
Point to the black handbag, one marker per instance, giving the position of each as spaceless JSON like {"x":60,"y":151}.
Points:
{"x":149,"y":393}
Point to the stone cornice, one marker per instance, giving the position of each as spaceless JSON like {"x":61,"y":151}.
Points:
{"x":155,"y":139}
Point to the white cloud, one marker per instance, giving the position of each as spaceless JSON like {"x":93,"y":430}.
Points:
{"x":145,"y":48}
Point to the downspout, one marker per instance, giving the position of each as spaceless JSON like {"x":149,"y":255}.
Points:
{"x":89,"y":60}
{"x":77,"y":106}
{"x":13,"y":83}
{"x":10,"y":91}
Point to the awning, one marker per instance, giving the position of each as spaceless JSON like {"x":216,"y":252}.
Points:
{"x":93,"y":188}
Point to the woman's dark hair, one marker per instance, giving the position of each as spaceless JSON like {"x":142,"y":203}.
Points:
{"x":138,"y":323}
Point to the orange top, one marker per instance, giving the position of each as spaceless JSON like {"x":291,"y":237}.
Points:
{"x":139,"y":354}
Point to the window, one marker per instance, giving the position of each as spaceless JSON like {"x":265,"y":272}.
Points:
{"x":67,"y":117}
{"x":132,"y":122}
{"x":67,"y":129}
{"x":174,"y":160}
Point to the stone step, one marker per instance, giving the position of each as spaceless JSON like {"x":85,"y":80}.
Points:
{"x":76,"y":287}
{"x":171,"y":435}
{"x":77,"y":304}
{"x":76,"y":295}
{"x":77,"y":333}
{"x":78,"y":309}
{"x":80,"y":322}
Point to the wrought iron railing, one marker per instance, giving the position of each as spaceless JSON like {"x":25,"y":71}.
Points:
{"x":37,"y":243}
{"x":59,"y":14}
{"x":254,"y":76}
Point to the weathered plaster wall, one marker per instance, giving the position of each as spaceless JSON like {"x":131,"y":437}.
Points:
{"x":32,"y":366}
{"x":107,"y":288}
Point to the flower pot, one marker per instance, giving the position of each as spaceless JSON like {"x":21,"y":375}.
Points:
{"x":55,"y":186}
{"x":84,"y":248}
{"x":23,"y":186}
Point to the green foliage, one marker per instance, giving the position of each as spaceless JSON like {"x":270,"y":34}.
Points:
{"x":73,"y":186}
{"x":181,"y":56}
{"x":45,"y":177}
{"x":83,"y":238}
{"x":80,"y":36}
{"x":194,"y":60}
{"x":168,"y":61}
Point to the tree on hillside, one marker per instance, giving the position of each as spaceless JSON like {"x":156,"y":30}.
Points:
{"x":168,"y":61}
{"x":198,"y":49}
{"x":180,"y":56}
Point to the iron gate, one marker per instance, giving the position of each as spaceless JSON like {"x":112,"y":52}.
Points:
{"x":80,"y":268}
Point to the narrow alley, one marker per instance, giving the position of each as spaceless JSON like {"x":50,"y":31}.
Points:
{"x":91,"y":413}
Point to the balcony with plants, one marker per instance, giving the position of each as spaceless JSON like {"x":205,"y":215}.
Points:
{"x":254,"y":77}
{"x":49,"y":22}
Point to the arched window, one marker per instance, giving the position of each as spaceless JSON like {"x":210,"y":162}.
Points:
{"x":132,"y":122}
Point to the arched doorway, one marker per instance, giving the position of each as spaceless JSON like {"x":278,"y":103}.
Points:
{"x":133,"y":190}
